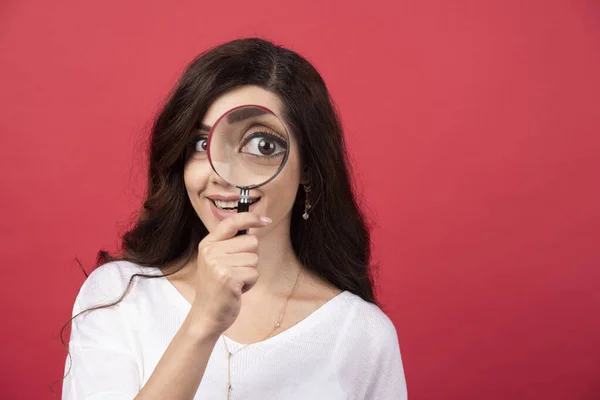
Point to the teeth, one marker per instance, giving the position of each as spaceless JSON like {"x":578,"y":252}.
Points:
{"x":226,"y":204}
{"x":229,"y":205}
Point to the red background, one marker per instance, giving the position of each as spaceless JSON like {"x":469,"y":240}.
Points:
{"x":474,"y":126}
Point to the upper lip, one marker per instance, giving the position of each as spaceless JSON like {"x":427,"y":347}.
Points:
{"x":228,"y":198}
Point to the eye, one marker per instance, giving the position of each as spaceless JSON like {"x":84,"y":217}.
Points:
{"x":201,"y":145}
{"x":264,"y":144}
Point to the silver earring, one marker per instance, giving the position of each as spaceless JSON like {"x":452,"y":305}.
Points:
{"x":306,"y":202}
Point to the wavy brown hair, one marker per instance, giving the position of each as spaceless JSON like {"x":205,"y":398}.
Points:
{"x":334,"y":243}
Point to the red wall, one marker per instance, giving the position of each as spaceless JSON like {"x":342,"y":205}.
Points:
{"x":474,"y":125}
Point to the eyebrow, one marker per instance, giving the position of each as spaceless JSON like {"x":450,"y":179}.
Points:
{"x":244,"y":113}
{"x":237,"y":116}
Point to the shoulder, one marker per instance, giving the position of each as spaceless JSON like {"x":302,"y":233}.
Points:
{"x":370,"y":340}
{"x":369,"y":323}
{"x":107,"y":283}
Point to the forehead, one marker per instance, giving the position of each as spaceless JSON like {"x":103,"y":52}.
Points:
{"x":240,"y":96}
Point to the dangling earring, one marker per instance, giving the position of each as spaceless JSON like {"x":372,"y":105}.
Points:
{"x":306,"y":202}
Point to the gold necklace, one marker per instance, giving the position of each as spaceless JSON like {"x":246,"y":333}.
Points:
{"x":275,"y":327}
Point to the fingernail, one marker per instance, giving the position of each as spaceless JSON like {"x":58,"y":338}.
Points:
{"x":266,"y":220}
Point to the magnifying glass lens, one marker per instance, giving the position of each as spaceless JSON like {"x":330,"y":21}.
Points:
{"x":248,"y":146}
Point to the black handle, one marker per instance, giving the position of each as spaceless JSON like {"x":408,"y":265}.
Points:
{"x":242,"y":207}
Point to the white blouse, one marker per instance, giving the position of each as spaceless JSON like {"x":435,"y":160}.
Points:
{"x":346,"y":349}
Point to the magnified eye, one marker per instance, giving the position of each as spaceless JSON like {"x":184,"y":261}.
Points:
{"x":266,"y":147}
{"x":263,"y":147}
{"x":264,"y":144}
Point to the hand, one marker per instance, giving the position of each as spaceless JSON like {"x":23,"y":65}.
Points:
{"x":226,"y":269}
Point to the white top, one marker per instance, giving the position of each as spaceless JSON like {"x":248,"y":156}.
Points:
{"x":347,"y":349}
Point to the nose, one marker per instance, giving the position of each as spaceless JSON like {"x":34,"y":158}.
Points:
{"x":214,"y":178}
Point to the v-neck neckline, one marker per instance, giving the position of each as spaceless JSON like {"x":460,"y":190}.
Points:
{"x":304,"y":325}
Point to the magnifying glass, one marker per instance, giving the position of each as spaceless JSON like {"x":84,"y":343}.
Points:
{"x":247,"y":147}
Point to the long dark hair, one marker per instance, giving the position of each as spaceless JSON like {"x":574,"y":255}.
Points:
{"x":334,"y":243}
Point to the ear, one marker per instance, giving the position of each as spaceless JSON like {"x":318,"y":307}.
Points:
{"x":305,"y":178}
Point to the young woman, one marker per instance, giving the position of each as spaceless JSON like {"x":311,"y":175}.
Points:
{"x":192,"y":311}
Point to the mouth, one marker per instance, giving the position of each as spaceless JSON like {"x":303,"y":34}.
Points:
{"x":231,"y":205}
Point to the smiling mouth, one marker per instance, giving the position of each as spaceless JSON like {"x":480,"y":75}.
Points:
{"x":231,"y":205}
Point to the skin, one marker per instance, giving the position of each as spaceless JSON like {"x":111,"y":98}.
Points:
{"x":236,"y":286}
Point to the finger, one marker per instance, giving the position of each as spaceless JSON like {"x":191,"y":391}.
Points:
{"x":237,"y":260}
{"x":237,"y":222}
{"x":245,"y":279}
{"x":238,"y":244}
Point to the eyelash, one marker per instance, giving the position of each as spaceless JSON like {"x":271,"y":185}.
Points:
{"x":275,"y":136}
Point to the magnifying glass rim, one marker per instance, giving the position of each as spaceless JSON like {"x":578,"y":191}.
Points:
{"x":285,"y":159}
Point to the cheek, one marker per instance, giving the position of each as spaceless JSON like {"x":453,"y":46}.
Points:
{"x":195,"y":177}
{"x":283,"y":189}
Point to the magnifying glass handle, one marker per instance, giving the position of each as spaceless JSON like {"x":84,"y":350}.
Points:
{"x":243,"y":206}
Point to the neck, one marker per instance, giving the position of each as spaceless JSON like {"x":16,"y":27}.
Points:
{"x":277,"y":271}
{"x":278,"y":265}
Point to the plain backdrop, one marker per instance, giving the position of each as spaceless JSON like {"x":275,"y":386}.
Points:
{"x":474,"y":127}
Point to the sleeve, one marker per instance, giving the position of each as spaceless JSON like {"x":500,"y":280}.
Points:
{"x":101,"y":363}
{"x":387,"y":380}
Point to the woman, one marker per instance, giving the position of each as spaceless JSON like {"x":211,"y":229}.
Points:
{"x":192,"y":311}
